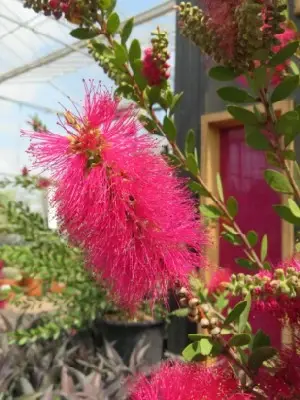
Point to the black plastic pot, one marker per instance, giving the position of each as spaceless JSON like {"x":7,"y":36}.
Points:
{"x":126,"y":335}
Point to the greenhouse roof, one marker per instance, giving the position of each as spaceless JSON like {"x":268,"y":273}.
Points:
{"x":42,"y":66}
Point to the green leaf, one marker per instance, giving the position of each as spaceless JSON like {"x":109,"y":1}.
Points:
{"x":176,"y":100}
{"x":261,"y":55}
{"x":220,"y":187}
{"x":197,"y":188}
{"x":135,"y":52}
{"x":192,"y":164}
{"x":288,"y":123}
{"x":233,"y":239}
{"x":232,"y":206}
{"x":259,"y":356}
{"x":153,"y":94}
{"x":138,"y":76}
{"x":100,"y":48}
{"x":148,"y":123}
{"x":234,"y":95}
{"x":111,"y":7}
{"x":241,"y":114}
{"x":260,"y":340}
{"x":84,"y":33}
{"x":285,"y":213}
{"x":190,"y":142}
{"x":255,"y":139}
{"x":205,"y":346}
{"x":235,"y":312}
{"x":127,"y":30}
{"x":210,"y":211}
{"x":197,"y":336}
{"x":252,"y":238}
{"x":120,"y":54}
{"x":105,"y":4}
{"x":181,"y":312}
{"x":193,"y":352}
{"x":229,"y":229}
{"x":245,"y":263}
{"x":245,"y":314}
{"x":221,"y":303}
{"x":284,"y":54}
{"x":272,"y":159}
{"x":170,"y":129}
{"x":267,"y":266}
{"x":126,"y":91}
{"x":294,"y":68}
{"x":264,"y":248}
{"x":221,"y":73}
{"x":295,"y":210}
{"x":289,"y":155}
{"x":277,"y":181}
{"x":113,"y":23}
{"x":260,"y":78}
{"x":239,"y":340}
{"x":285,"y":88}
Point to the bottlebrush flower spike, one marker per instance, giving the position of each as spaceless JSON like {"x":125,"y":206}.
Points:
{"x":231,"y":31}
{"x":283,"y":39}
{"x":155,"y":66}
{"x":283,"y":382}
{"x":120,"y":201}
{"x":191,"y":381}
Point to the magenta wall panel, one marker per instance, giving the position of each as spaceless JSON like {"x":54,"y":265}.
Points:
{"x":242,"y":174}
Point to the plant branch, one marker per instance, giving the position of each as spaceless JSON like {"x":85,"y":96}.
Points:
{"x":248,"y":248}
{"x":277,"y":147}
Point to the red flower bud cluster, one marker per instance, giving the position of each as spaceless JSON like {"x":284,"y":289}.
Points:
{"x":155,"y":65}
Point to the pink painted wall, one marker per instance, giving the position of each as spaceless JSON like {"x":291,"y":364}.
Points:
{"x":242,"y":174}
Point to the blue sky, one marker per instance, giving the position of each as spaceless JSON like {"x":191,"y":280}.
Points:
{"x":23,"y":47}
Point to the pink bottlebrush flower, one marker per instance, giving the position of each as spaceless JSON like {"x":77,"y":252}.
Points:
{"x":120,"y":201}
{"x":24,"y":171}
{"x":284,"y":382}
{"x":221,"y":275}
{"x":285,"y":38}
{"x":188,"y":381}
{"x":154,"y":71}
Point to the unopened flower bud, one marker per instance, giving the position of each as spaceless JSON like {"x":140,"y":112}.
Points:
{"x":183,"y":302}
{"x":204,"y":323}
{"x":213,"y":321}
{"x":291,"y":270}
{"x":205,"y":308}
{"x":193,"y":312}
{"x":274,"y":284}
{"x":194,"y":302}
{"x":216,"y":331}
{"x":279,"y":273}
{"x":183,"y":292}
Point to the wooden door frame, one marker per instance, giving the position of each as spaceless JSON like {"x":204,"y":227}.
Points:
{"x":211,"y":126}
